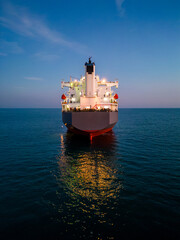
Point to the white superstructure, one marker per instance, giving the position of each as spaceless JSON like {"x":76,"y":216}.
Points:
{"x":90,"y":92}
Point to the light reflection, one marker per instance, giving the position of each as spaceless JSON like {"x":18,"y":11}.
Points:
{"x":89,"y":173}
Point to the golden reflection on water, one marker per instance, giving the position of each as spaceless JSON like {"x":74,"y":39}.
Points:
{"x":88,"y":172}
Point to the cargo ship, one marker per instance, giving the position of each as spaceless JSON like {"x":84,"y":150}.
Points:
{"x":89,"y":107}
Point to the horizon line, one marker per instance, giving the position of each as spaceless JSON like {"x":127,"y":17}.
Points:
{"x":61,"y":108}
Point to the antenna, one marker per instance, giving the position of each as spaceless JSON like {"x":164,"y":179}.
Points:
{"x":90,"y":59}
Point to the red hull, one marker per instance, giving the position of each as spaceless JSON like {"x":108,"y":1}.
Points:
{"x":90,"y":133}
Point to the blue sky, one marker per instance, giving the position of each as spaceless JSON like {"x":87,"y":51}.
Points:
{"x":135,"y":41}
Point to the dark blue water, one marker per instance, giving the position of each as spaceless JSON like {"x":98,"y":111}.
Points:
{"x":55,"y":185}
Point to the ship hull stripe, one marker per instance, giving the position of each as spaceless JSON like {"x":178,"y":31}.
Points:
{"x":92,"y":133}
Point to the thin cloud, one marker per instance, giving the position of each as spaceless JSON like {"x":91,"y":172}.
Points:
{"x":34,"y":78}
{"x":19,"y":20}
{"x":3,"y":54}
{"x":46,"y":56}
{"x":119,"y":4}
{"x":10,"y":47}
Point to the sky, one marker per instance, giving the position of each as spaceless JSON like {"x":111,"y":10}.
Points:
{"x":45,"y":42}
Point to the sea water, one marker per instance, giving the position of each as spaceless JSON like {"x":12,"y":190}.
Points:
{"x":123,"y":185}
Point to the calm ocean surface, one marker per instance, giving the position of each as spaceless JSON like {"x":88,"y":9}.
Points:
{"x":56,"y":185}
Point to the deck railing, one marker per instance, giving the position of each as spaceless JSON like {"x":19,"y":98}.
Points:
{"x":103,"y":107}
